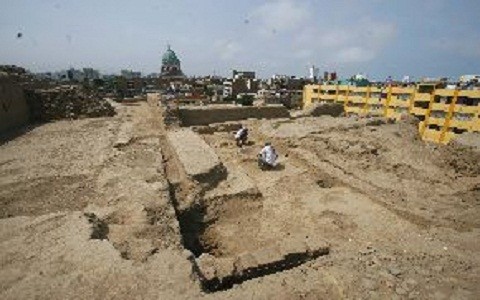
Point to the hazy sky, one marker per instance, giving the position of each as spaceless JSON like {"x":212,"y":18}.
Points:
{"x":376,"y":37}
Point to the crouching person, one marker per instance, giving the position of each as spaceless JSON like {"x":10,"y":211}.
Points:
{"x":241,"y":136}
{"x":267,"y":158}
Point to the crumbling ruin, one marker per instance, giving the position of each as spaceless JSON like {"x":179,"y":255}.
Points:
{"x":25,"y":100}
{"x":13,"y":106}
{"x":66,"y":102}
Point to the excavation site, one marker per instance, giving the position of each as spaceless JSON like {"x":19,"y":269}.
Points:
{"x":159,"y":202}
{"x":237,"y":150}
{"x":222,"y":217}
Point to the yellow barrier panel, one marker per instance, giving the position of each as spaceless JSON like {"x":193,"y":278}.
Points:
{"x":367,"y":98}
{"x":451,"y":108}
{"x":389,"y":98}
{"x":345,"y":104}
{"x":336,"y":93}
{"x":427,"y":113}
{"x":347,"y":94}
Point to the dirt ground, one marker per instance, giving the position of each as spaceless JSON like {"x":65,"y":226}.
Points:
{"x":103,"y":208}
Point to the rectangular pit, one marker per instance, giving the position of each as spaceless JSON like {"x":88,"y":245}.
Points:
{"x":227,"y":249}
{"x":222,"y":227}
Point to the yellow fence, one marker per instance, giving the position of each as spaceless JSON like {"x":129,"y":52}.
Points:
{"x":443,"y":113}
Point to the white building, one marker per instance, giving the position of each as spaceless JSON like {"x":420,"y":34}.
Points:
{"x":313,"y":72}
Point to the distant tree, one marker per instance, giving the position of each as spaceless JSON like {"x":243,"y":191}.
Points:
{"x":208,"y":91}
{"x":98,"y":83}
{"x":245,"y":100}
{"x":229,"y":99}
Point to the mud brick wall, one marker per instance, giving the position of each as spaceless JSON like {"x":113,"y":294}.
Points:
{"x":66,"y":103}
{"x":14,"y":111}
{"x":191,"y":116}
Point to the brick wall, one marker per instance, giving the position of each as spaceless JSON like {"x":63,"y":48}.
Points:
{"x":14,"y":111}
{"x":190,"y":116}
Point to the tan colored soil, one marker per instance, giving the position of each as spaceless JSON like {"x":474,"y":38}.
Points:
{"x":90,"y":209}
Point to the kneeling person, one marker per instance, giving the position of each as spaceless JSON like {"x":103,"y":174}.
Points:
{"x":267,"y":158}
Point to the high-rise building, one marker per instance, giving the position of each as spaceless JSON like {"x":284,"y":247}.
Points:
{"x":90,"y":73}
{"x":313,"y":73}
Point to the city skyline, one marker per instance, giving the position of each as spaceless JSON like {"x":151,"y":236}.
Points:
{"x":379,"y":38}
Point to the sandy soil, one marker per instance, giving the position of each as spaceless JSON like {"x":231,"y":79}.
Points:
{"x":90,"y":209}
{"x":387,"y":202}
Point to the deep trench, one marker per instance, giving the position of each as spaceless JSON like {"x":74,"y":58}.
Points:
{"x":191,"y":220}
{"x":192,"y":224}
{"x":290,"y":261}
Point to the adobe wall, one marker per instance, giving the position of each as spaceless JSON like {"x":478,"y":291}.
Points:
{"x":205,"y":115}
{"x":199,"y":160}
{"x":14,"y":111}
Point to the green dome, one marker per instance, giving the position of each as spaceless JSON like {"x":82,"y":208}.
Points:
{"x":170,"y":58}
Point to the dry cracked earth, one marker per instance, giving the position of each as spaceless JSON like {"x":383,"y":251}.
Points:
{"x":125,"y":208}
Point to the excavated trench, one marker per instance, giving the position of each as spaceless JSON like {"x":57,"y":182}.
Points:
{"x":288,"y":262}
{"x":221,"y":230}
{"x":192,"y":225}
{"x":217,"y":226}
{"x":223,"y":260}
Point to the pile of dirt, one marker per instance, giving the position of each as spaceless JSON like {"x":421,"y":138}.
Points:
{"x":302,"y":127}
{"x":66,"y":102}
{"x":471,"y":139}
{"x":464,"y":159}
{"x":320,"y":109}
{"x":407,"y":130}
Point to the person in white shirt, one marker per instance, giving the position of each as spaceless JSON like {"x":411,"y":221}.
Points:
{"x":267,"y":158}
{"x":241,"y":136}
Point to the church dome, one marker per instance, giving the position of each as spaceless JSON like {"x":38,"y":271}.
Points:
{"x":170,"y":58}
